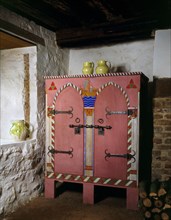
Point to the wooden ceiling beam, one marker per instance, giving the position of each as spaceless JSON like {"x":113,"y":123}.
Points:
{"x":31,"y":13}
{"x":86,"y":21}
{"x":99,"y":38}
{"x":106,"y":33}
{"x":18,"y":32}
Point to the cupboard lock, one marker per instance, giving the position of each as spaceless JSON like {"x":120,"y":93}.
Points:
{"x":53,"y":151}
{"x":126,"y":156}
{"x":90,"y":126}
{"x":99,"y":127}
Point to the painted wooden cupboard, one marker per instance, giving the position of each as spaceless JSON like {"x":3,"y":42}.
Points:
{"x":93,"y":132}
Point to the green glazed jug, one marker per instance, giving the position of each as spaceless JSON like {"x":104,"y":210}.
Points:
{"x":20,"y":130}
{"x":88,"y":68}
{"x":102,"y":67}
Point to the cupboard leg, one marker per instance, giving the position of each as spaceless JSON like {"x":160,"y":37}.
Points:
{"x":88,"y":193}
{"x":49,"y":188}
{"x":132,"y":198}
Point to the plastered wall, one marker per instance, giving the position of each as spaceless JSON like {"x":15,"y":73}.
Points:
{"x":126,"y":57}
{"x":12,"y":88}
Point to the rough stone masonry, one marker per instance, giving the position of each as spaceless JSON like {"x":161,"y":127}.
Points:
{"x":21,"y":176}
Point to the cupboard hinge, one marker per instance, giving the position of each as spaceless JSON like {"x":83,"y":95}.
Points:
{"x":127,"y":156}
{"x":53,"y":151}
{"x":55,"y":112}
{"x":127,"y":112}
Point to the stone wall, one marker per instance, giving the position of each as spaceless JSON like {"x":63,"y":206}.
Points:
{"x":22,"y":164}
{"x":161,"y":156}
{"x":21,"y":179}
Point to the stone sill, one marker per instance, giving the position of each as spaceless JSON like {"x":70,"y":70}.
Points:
{"x":11,"y":142}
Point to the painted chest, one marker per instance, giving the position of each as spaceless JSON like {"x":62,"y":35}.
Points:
{"x":93,"y":132}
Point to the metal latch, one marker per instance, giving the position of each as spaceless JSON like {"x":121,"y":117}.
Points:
{"x":127,"y":112}
{"x":127,"y":156}
{"x":55,"y":112}
{"x":53,"y":151}
{"x":99,"y":127}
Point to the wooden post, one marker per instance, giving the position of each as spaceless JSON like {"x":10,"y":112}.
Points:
{"x":147,"y":214}
{"x":143,"y":189}
{"x":166,"y":214}
{"x":168,"y":197}
{"x":26,"y":88}
{"x":164,"y":187}
{"x":157,"y":217}
{"x":49,"y":188}
{"x":147,"y":202}
{"x":88,"y":193}
{"x":132,"y":198}
{"x":154,"y":188}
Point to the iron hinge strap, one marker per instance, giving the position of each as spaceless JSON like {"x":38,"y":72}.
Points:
{"x":127,"y":112}
{"x":53,"y":151}
{"x":127,"y":156}
{"x":55,"y":112}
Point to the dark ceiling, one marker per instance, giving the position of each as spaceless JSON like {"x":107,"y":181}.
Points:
{"x":79,"y":23}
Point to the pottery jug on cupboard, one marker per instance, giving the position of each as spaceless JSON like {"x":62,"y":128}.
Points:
{"x":103,"y":67}
{"x":88,"y":68}
{"x":20,"y":130}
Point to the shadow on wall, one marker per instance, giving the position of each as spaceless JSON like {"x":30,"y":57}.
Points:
{"x":121,"y":68}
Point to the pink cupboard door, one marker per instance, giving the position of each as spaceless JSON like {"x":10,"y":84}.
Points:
{"x":114,"y":140}
{"x":69,"y":146}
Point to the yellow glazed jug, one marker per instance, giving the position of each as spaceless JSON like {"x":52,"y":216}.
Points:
{"x":20,"y":130}
{"x":88,"y":68}
{"x":102,"y":67}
